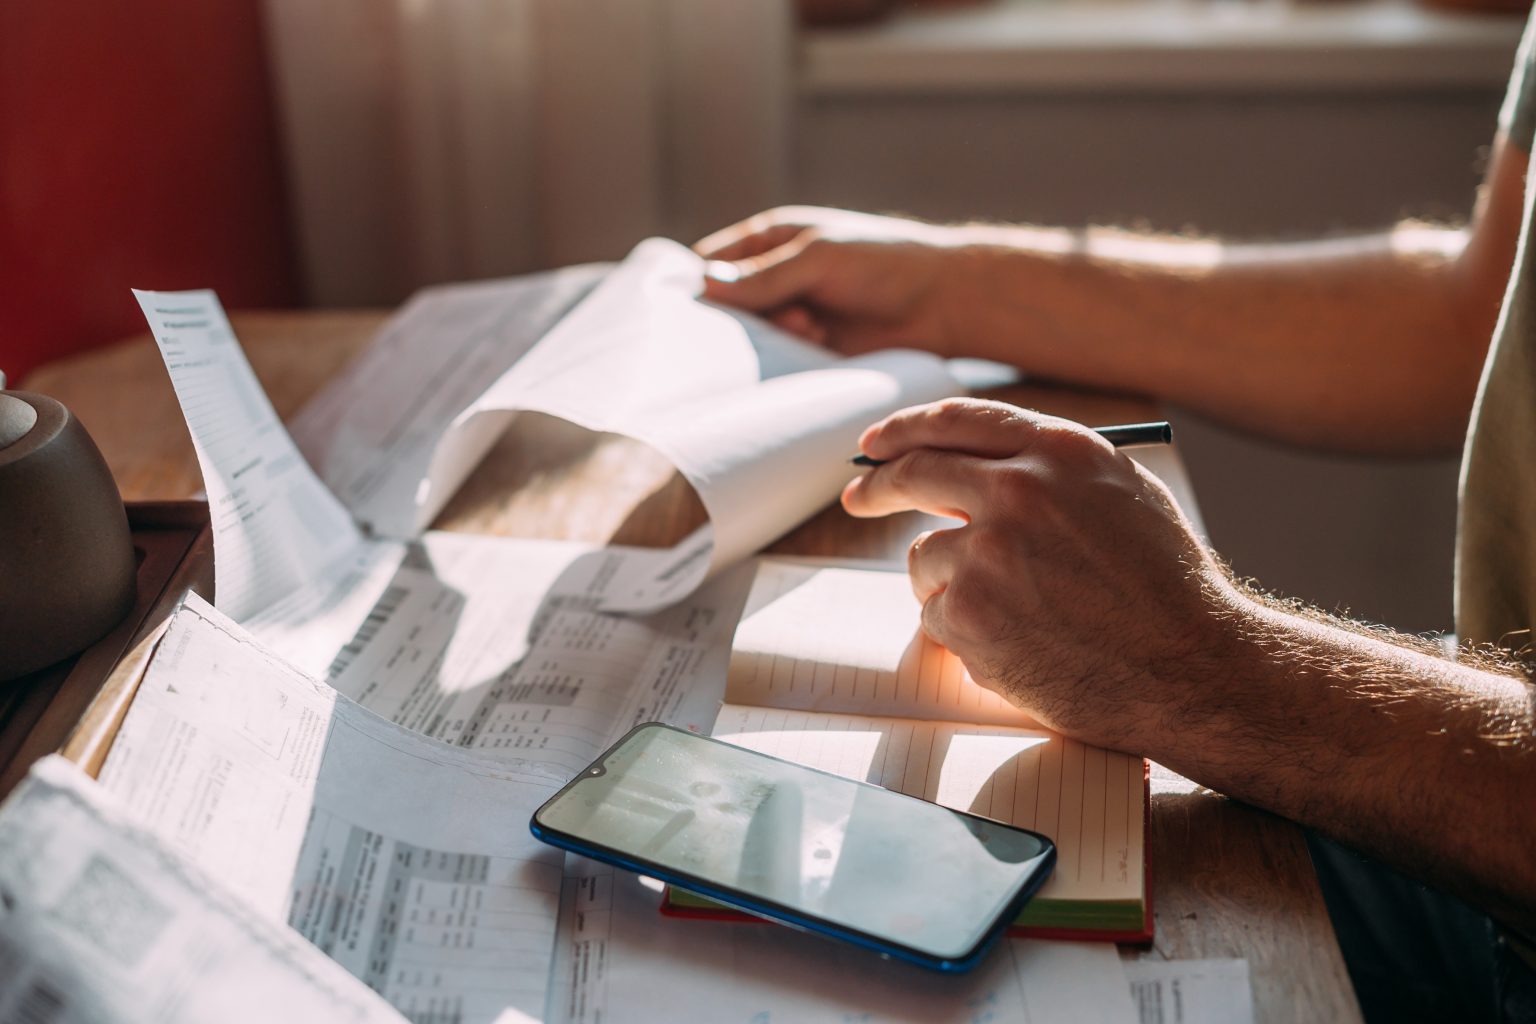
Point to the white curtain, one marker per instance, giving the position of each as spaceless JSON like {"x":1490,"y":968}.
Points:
{"x":437,"y":140}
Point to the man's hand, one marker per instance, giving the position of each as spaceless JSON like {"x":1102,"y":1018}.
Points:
{"x":1076,"y":589}
{"x":851,"y":281}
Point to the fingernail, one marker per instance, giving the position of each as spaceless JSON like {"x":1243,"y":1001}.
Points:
{"x":722,"y":271}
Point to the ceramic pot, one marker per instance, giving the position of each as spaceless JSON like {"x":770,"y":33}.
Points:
{"x":67,"y":564}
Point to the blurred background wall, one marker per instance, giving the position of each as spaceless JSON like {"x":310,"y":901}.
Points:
{"x":434,"y":141}
{"x":138,"y":149}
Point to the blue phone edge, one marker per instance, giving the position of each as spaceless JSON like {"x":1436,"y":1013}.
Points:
{"x":787,"y":915}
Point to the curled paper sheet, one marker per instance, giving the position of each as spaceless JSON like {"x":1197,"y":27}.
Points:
{"x":758,"y":422}
{"x":275,"y":524}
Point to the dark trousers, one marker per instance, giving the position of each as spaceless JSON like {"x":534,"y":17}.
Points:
{"x":1415,"y":954}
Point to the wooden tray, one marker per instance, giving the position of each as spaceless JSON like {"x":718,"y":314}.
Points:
{"x":76,"y":706}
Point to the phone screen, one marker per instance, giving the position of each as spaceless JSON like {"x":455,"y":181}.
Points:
{"x":774,"y":836}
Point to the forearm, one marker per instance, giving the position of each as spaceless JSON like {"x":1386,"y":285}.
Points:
{"x":1423,"y":763}
{"x":1371,"y":344}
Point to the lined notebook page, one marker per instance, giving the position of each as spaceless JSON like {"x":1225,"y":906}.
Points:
{"x":1090,"y":801}
{"x":818,"y":638}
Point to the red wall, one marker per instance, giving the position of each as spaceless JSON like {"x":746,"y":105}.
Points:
{"x":137,"y":150}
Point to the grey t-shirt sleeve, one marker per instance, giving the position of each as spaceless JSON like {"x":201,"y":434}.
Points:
{"x":1517,"y":117}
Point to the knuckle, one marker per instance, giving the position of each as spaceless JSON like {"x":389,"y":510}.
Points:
{"x":935,"y":619}
{"x":989,"y":548}
{"x":895,"y":476}
{"x":1012,"y":485}
{"x":968,"y":609}
{"x":948,"y":413}
{"x":1000,"y":413}
{"x":914,"y":550}
{"x":1116,"y":482}
{"x":908,"y":471}
{"x":1074,"y":447}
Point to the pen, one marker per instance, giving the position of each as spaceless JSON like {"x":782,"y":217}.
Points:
{"x":1126,"y":435}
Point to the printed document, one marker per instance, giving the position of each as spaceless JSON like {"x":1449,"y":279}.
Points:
{"x":276,"y":526}
{"x":626,"y":962}
{"x":100,"y":922}
{"x":494,"y":643}
{"x":438,"y":633}
{"x":409,"y":862}
{"x":1191,"y":991}
{"x":372,"y":440}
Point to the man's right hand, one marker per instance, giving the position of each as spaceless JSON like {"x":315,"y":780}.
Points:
{"x":853,"y":282}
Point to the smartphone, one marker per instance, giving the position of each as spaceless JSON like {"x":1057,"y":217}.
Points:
{"x":903,"y":877}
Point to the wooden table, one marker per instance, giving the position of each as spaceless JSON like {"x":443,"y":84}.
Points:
{"x":1228,"y":880}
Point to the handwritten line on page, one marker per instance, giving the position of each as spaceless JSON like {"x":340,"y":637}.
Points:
{"x":102,"y":923}
{"x":406,"y":860}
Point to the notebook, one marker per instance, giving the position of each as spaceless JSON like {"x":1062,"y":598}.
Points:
{"x":830,"y":669}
